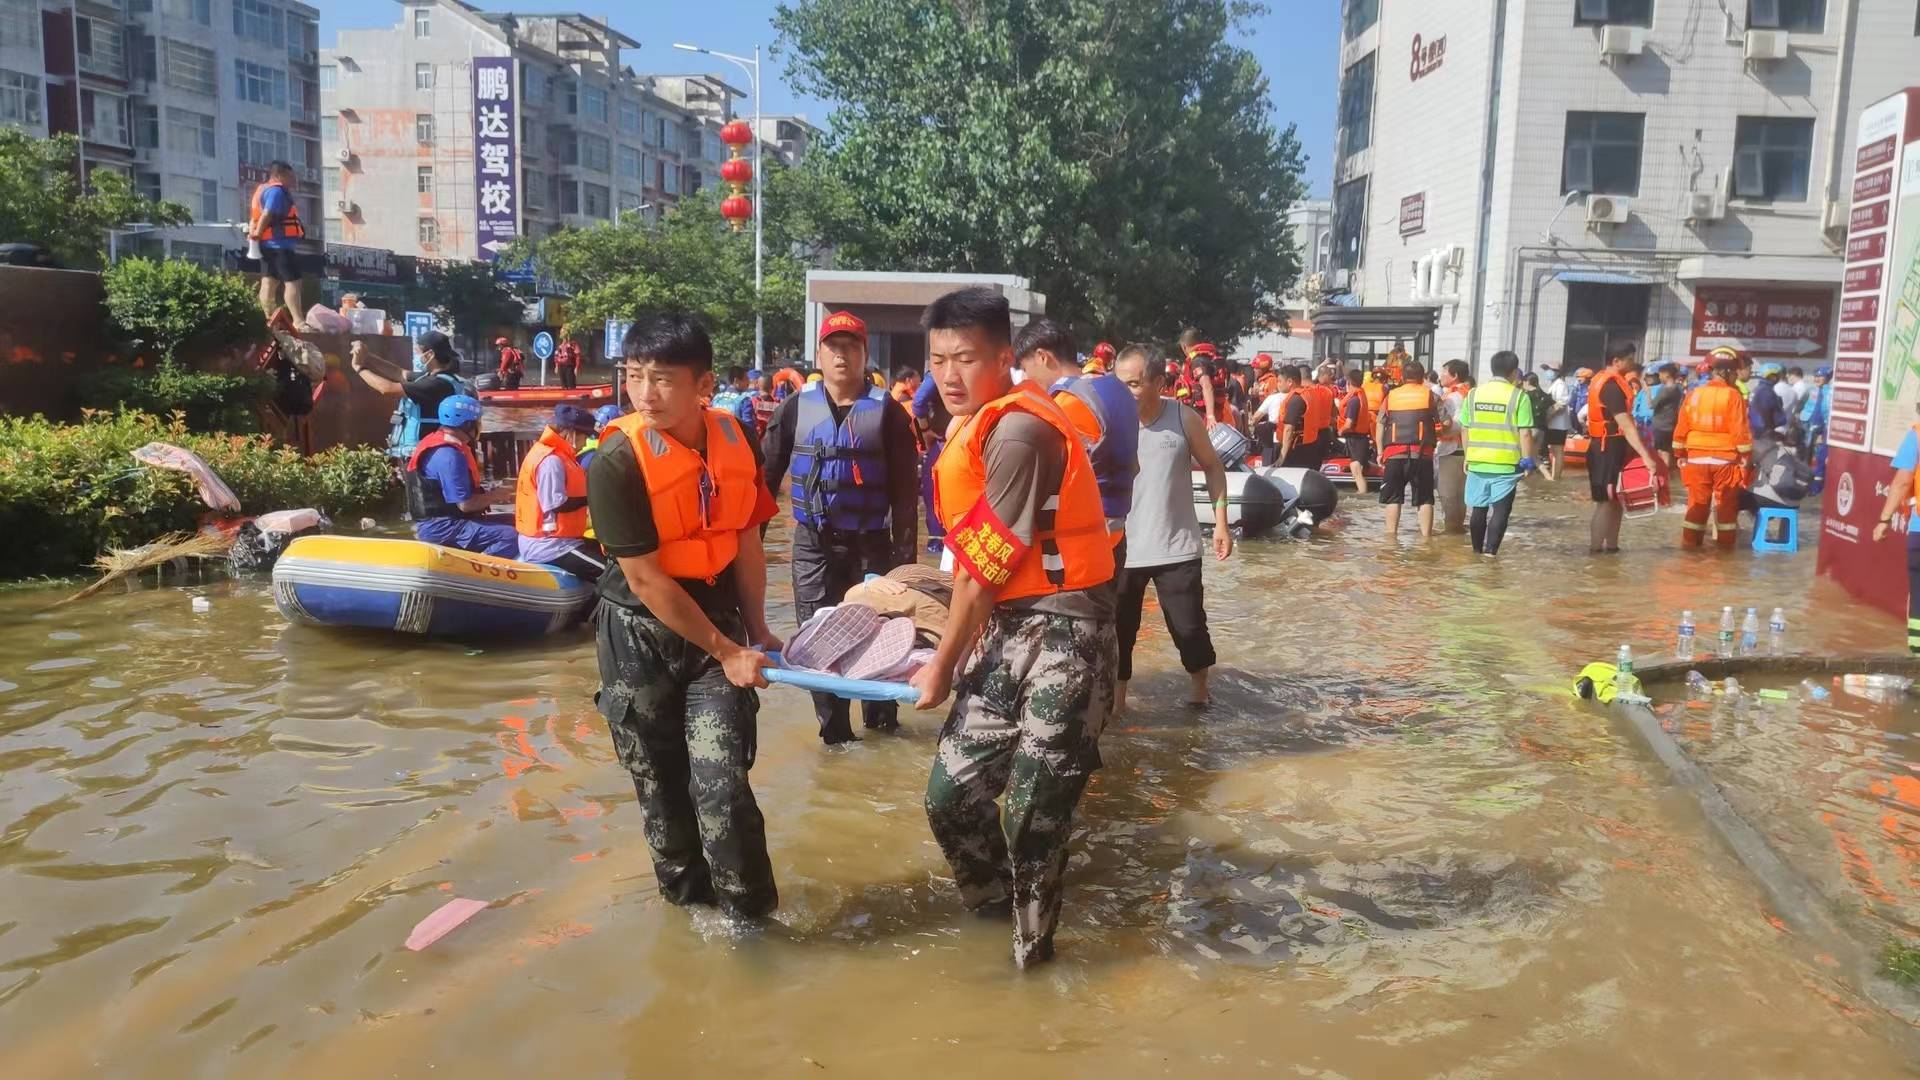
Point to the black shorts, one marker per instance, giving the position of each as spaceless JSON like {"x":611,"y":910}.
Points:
{"x":1306,"y":455}
{"x":1605,"y":458}
{"x":280,"y":264}
{"x":1663,"y":440}
{"x":1359,"y":449}
{"x":1404,"y":473}
{"x":1556,"y":436}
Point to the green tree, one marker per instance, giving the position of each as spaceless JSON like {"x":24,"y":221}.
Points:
{"x":472,"y":298}
{"x":690,"y":260}
{"x":42,"y":200}
{"x":1122,"y":154}
{"x":178,"y":314}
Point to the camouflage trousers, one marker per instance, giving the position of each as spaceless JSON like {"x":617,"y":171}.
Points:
{"x":688,"y":736}
{"x":1026,"y":722}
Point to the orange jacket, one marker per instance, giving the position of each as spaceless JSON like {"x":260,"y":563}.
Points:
{"x":696,"y":542}
{"x":1597,"y":418}
{"x":289,"y":228}
{"x":1076,"y":554}
{"x":1362,"y":424}
{"x":570,"y":522}
{"x":1713,"y":422}
{"x":1320,"y":418}
{"x":1376,"y":393}
{"x":1406,"y":422}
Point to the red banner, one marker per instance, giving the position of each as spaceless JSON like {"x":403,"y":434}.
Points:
{"x":1762,"y":321}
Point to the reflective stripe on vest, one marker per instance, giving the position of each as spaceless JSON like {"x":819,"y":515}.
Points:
{"x":1716,"y":421}
{"x":839,"y":472}
{"x":1488,"y":432}
{"x":528,"y":517}
{"x":699,"y":504}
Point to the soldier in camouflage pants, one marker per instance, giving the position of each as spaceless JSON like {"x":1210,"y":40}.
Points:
{"x":1026,"y":721}
{"x":688,"y":736}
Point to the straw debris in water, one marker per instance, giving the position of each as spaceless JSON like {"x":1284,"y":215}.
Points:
{"x":122,"y":562}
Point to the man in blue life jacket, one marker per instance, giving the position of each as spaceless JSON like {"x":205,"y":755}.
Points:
{"x":1102,"y":409}
{"x":420,"y":396}
{"x":446,"y":492}
{"x":726,"y":396}
{"x":851,"y":451}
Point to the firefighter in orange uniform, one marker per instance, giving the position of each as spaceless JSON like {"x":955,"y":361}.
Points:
{"x":1714,"y":442}
{"x":1034,"y":608}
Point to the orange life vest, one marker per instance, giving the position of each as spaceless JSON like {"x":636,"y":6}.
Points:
{"x":1267,"y":385}
{"x":1407,"y":420}
{"x":1375,"y":392}
{"x":1076,"y":552}
{"x":1713,"y":422}
{"x":699,"y":529}
{"x":1362,"y":423}
{"x":289,"y":227}
{"x":1319,"y":411}
{"x":528,"y":518}
{"x":441,"y":438}
{"x":1597,"y":418}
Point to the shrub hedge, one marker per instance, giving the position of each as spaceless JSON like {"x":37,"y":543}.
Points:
{"x":70,"y":491}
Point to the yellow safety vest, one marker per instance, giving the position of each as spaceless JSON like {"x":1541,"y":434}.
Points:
{"x":1492,"y":437}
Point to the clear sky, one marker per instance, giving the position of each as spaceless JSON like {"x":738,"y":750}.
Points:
{"x":1298,"y":45}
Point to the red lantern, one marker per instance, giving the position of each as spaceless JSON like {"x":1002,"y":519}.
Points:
{"x":736,"y":134}
{"x":737,"y":209}
{"x":736,"y":171}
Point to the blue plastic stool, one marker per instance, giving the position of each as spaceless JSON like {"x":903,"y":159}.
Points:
{"x":1775,"y":529}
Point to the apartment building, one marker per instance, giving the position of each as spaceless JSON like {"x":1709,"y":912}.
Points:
{"x":572,"y":136}
{"x":190,"y":98}
{"x":1556,"y":175}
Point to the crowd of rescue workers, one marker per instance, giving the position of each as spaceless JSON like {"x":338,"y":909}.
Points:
{"x":1056,"y":487}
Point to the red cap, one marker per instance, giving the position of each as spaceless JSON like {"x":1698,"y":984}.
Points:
{"x":843,"y":322}
{"x":1262,"y":361}
{"x":1104,"y":350}
{"x":1203,"y":349}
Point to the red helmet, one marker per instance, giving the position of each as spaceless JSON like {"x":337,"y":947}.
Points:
{"x":500,"y":341}
{"x":1173,"y":369}
{"x":1262,"y":362}
{"x":1104,"y":350}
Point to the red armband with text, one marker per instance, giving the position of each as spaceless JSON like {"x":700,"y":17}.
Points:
{"x":985,"y":547}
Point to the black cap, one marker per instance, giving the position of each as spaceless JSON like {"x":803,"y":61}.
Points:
{"x":436,"y":344}
{"x":567,"y":417}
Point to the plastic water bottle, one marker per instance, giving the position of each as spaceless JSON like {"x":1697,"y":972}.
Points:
{"x":1726,"y":632}
{"x":1898,"y":684}
{"x":1777,"y":633}
{"x":1683,"y":645}
{"x":1698,"y":685}
{"x":1813,"y":691}
{"x":1731,"y":688}
{"x":1623,"y":675}
{"x":1750,"y":633}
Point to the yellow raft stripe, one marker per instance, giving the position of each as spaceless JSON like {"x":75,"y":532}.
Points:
{"x":374,"y":552}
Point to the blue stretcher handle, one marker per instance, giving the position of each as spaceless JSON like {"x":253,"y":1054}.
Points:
{"x":838,"y":686}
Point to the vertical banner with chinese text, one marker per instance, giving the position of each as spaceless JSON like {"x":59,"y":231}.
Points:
{"x":496,"y":171}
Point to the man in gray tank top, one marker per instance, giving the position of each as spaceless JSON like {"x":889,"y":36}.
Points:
{"x":1164,"y":546}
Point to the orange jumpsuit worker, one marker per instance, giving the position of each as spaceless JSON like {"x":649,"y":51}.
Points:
{"x":1714,"y":443}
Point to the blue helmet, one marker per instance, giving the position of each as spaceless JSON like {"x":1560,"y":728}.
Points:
{"x":606,"y":414}
{"x":459,"y":411}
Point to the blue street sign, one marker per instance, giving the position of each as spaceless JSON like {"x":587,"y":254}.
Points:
{"x":617,"y":336}
{"x":542,"y":345}
{"x":417,"y":323}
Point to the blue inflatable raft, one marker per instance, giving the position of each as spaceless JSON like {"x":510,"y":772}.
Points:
{"x":419,"y":588}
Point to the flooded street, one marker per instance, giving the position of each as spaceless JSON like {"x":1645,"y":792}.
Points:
{"x":1395,"y":846}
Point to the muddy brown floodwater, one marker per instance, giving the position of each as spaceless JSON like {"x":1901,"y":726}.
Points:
{"x":1395,"y":847}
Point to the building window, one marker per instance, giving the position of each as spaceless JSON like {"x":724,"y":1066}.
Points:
{"x":565,"y":145}
{"x":429,"y":232}
{"x":533,"y":85}
{"x":1356,"y":107}
{"x":19,"y":99}
{"x":596,"y":201}
{"x":1600,"y":317}
{"x":329,"y":129}
{"x":1349,"y":223}
{"x":629,"y":163}
{"x":101,"y":48}
{"x":209,"y":256}
{"x":189,"y":132}
{"x":595,"y":152}
{"x":671,"y":181}
{"x":649,"y":129}
{"x":260,"y":84}
{"x":1613,"y":12}
{"x":569,"y":197}
{"x":200,"y":196}
{"x":1361,"y":15}
{"x":333,"y":232}
{"x":593,"y":100}
{"x":423,"y":179}
{"x":261,"y":21}
{"x":1805,"y":16}
{"x":1603,"y":153}
{"x":189,"y":67}
{"x":262,"y":146}
{"x":630,"y":117}
{"x":20,"y":23}
{"x":104,"y":118}
{"x":200,"y":11}
{"x":534,"y":190}
{"x":423,"y":76}
{"x":146,"y":127}
{"x":422,"y":22}
{"x":330,"y":182}
{"x":329,"y":76}
{"x":423,"y":128}
{"x":1772,"y":158}
{"x":147,"y":186}
{"x":570,"y":99}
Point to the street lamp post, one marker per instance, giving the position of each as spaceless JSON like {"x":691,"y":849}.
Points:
{"x":750,"y":65}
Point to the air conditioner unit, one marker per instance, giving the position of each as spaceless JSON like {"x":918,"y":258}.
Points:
{"x":1622,"y":40}
{"x":1706,"y":206}
{"x":1608,"y":209}
{"x":345,"y":156}
{"x":347,"y":207}
{"x":1767,"y":45}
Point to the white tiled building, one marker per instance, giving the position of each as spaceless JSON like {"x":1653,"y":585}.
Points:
{"x":190,"y":98}
{"x":595,"y":139}
{"x":1310,"y":222}
{"x":1557,"y":174}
